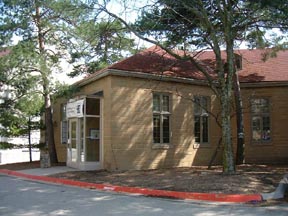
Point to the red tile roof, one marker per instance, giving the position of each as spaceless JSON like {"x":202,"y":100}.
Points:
{"x":255,"y":69}
{"x":157,"y":61}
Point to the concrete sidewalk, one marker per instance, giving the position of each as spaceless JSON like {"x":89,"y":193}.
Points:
{"x":47,"y":171}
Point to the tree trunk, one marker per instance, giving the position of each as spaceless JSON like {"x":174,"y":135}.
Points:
{"x":50,"y":142}
{"x":49,"y":132}
{"x":240,"y":153}
{"x":29,"y":139}
{"x":228,"y":158}
{"x":226,"y":95}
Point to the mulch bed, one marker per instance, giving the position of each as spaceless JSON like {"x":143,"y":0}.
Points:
{"x":26,"y":165}
{"x":249,"y":179}
{"x":21,"y":166}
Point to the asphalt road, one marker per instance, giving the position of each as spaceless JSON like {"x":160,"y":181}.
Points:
{"x":26,"y":198}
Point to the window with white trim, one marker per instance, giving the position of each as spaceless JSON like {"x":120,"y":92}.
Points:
{"x":64,"y":125}
{"x":161,"y":118}
{"x":261,"y":128}
{"x":201,"y":119}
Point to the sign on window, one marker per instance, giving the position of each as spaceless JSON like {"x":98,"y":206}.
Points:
{"x":75,"y":109}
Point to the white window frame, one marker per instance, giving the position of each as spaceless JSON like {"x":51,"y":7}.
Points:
{"x":204,"y":112}
{"x":162,"y":113}
{"x":64,"y":121}
{"x":261,"y":115}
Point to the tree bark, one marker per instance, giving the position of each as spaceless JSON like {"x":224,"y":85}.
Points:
{"x":50,"y":142}
{"x":240,"y":153}
{"x":226,"y":93}
{"x":29,"y":139}
{"x":228,"y":157}
{"x":49,"y":131}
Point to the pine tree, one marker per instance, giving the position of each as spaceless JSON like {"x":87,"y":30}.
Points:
{"x":39,"y":30}
{"x":99,"y":44}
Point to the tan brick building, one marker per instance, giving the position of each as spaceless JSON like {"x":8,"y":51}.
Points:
{"x":139,"y":114}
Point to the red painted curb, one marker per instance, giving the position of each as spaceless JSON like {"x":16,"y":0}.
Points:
{"x":235,"y":198}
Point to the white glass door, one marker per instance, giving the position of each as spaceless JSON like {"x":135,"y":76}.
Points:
{"x":73,"y":140}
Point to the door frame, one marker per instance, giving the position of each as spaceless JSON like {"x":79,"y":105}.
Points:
{"x":78,"y":164}
{"x":69,"y":146}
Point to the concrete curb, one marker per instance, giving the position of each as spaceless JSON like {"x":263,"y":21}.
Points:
{"x":233,"y":198}
{"x":280,"y":191}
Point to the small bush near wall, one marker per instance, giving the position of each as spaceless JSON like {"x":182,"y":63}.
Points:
{"x":6,"y":145}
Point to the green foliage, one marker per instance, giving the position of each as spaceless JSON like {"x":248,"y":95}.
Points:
{"x":276,"y":12}
{"x":198,"y":23}
{"x":34,"y":33}
{"x":98,"y":45}
{"x":20,"y":117}
{"x":6,"y":145}
{"x":64,"y":91}
{"x":21,"y":99}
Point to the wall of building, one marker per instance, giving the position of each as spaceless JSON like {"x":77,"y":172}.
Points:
{"x":60,"y":148}
{"x":127,"y":124}
{"x":275,"y":151}
{"x":132,"y":126}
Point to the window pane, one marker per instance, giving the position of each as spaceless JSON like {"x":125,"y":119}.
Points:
{"x":255,"y":105}
{"x":260,"y":105}
{"x":200,"y":105}
{"x":204,"y":104}
{"x":256,"y":128}
{"x":197,"y":129}
{"x":165,"y":104}
{"x":73,"y":130}
{"x":156,"y":128}
{"x":63,"y":112}
{"x":166,"y":129}
{"x":264,"y":105}
{"x":204,"y":129}
{"x":156,"y":102}
{"x":197,"y":106}
{"x":64,"y":132}
{"x":261,"y":121}
{"x":92,"y":106}
{"x":266,"y":128}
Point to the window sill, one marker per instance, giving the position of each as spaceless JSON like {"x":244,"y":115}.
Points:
{"x":201,"y":145}
{"x":162,"y":146}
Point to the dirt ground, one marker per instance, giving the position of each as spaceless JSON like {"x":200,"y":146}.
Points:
{"x":26,"y":165}
{"x":21,"y":166}
{"x":249,"y":178}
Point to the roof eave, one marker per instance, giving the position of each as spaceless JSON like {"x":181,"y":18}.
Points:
{"x":263,"y":84}
{"x":123,"y":73}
